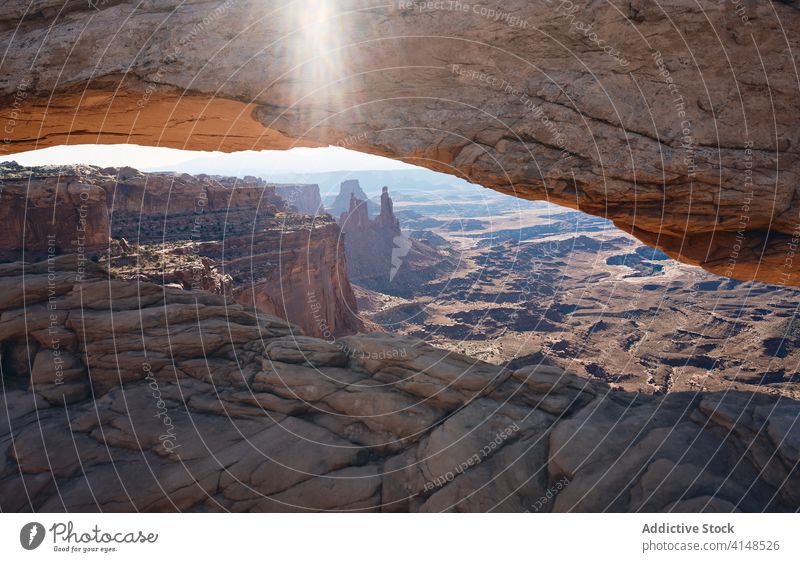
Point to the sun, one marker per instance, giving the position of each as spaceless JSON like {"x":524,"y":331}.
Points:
{"x":317,"y":47}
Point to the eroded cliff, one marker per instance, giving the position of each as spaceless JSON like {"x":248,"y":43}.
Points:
{"x":221,"y":234}
{"x":380,"y":256}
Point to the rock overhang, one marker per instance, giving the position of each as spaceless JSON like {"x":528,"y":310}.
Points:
{"x":685,"y":137}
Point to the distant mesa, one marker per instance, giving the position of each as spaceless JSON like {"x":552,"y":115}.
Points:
{"x":302,"y":198}
{"x":347,"y":189}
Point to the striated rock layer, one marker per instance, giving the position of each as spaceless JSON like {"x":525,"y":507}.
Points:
{"x":174,"y":400}
{"x":54,"y":214}
{"x":222,"y":234}
{"x":677,"y":120}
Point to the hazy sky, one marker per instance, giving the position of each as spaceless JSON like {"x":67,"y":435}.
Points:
{"x":307,"y":160}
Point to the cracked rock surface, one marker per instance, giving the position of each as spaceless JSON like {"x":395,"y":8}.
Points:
{"x":170,"y":400}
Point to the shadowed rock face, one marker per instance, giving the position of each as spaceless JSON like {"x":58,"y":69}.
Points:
{"x":380,"y":257}
{"x":678,"y":120}
{"x":304,"y":198}
{"x":222,"y":234}
{"x":175,"y":400}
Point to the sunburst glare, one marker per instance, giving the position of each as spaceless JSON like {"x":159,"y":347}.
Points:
{"x":317,"y":56}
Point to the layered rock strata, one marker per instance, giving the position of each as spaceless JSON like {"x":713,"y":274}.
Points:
{"x":45,"y":214}
{"x":678,"y":120}
{"x":178,"y":401}
{"x":221,"y":234}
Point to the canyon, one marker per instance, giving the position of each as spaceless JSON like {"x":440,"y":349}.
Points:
{"x":175,"y":400}
{"x":705,"y":169}
{"x":181,"y":395}
{"x":205,"y":343}
{"x":222,"y":234}
{"x":531,"y":284}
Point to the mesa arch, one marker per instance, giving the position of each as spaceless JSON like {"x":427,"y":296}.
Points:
{"x":678,"y":120}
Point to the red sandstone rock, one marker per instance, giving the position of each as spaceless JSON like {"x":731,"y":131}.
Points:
{"x":380,"y":256}
{"x":221,"y":234}
{"x":529,"y":106}
{"x":60,"y":214}
{"x":257,"y":420}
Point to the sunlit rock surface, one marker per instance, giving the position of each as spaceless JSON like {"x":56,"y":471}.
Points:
{"x":678,"y":120}
{"x":161,"y":400}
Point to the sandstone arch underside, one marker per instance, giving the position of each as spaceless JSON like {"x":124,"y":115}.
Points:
{"x":676,"y":119}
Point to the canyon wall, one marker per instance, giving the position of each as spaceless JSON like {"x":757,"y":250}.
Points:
{"x":221,"y":234}
{"x":282,"y":263}
{"x":159,"y":207}
{"x":296,"y":271}
{"x":677,"y":120}
{"x":61,"y":214}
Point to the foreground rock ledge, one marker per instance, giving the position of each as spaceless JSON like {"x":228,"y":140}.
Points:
{"x":684,"y":132}
{"x":170,"y":400}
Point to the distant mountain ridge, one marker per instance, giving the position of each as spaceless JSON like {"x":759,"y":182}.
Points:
{"x":372,"y":181}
